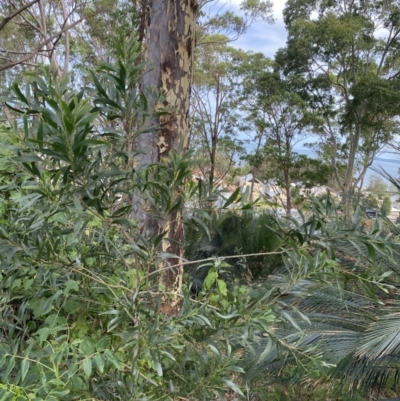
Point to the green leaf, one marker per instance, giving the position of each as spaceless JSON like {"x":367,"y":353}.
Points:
{"x":24,"y":368}
{"x":10,"y":367}
{"x":59,"y":393}
{"x":235,"y":368}
{"x":98,"y":85}
{"x":88,"y":142}
{"x":87,"y":347}
{"x":71,"y":285}
{"x":87,"y":367}
{"x":40,"y":134}
{"x":232,"y":198}
{"x":100,"y":362}
{"x":210,"y":279}
{"x":222,"y":287}
{"x":27,"y":159}
{"x":108,"y":102}
{"x":289,"y":318}
{"x":226,"y":317}
{"x":112,"y":358}
{"x":214,"y":349}
{"x":203,"y":225}
{"x":159,"y":369}
{"x":233,"y":387}
{"x":19,"y":94}
{"x":72,"y":369}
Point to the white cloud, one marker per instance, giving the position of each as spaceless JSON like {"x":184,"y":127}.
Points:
{"x":261,"y":36}
{"x":278,"y":5}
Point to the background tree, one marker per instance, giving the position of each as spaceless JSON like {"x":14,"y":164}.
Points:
{"x":378,"y":186}
{"x":284,"y":118}
{"x":261,"y":91}
{"x":349,"y":75}
{"x":217,"y":18}
{"x":105,"y":22}
{"x":215,"y":107}
{"x":254,"y":108}
{"x":39,"y":33}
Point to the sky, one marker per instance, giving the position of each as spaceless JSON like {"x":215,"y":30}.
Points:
{"x":262,"y":36}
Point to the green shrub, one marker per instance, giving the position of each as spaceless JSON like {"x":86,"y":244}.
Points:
{"x":83,"y":314}
{"x":386,"y":207}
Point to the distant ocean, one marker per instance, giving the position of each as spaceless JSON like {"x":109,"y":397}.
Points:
{"x":386,"y":161}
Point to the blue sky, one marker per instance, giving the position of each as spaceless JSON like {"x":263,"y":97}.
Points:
{"x":263,"y":37}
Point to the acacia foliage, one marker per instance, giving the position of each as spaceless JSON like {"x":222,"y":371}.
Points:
{"x":82,"y":307}
{"x":81,"y":297}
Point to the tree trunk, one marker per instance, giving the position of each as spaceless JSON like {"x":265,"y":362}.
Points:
{"x":288,"y":201}
{"x":212,"y":162}
{"x":348,"y":185}
{"x":169,"y":45}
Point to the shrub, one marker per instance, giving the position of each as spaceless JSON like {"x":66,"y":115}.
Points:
{"x":386,"y":207}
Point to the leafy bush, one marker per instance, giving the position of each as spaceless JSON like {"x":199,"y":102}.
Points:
{"x":83,"y":311}
{"x":82,"y":308}
{"x":236,"y":232}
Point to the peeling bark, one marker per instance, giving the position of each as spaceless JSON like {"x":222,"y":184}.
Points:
{"x":169,"y":47}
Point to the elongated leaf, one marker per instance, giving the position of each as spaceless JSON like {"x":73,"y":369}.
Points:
{"x":234,"y":197}
{"x":98,"y":85}
{"x":87,"y":367}
{"x":108,"y":102}
{"x":24,"y":368}
{"x":100,"y":362}
{"x":19,"y":94}
{"x":233,"y":387}
{"x":27,"y":159}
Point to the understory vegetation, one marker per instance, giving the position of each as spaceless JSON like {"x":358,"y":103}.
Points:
{"x":266,"y":301}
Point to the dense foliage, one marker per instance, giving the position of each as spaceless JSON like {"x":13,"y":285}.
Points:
{"x":87,"y":311}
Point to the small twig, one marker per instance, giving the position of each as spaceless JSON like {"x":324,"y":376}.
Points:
{"x":191,"y":262}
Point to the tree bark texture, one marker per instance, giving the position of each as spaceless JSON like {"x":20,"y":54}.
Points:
{"x":169,"y":45}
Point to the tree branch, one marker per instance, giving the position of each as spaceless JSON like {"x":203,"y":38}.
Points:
{"x":7,"y":19}
{"x":39,"y":48}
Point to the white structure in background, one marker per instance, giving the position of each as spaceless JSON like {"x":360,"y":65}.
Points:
{"x":395,"y":199}
{"x":269,"y":190}
{"x":262,"y":190}
{"x":317,"y":191}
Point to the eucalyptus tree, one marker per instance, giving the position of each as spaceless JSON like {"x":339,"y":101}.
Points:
{"x":278,"y":118}
{"x":346,"y":52}
{"x":215,"y":106}
{"x":170,"y":43}
{"x":253,"y":108}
